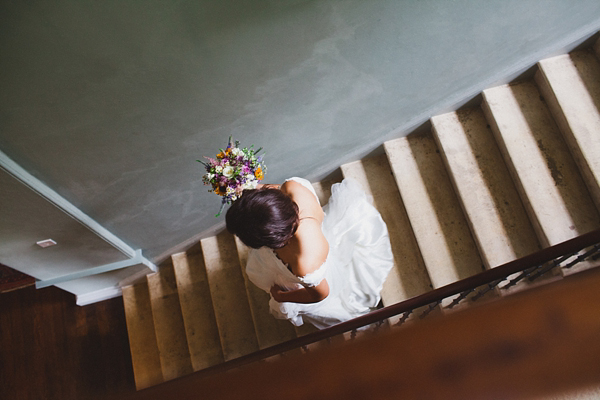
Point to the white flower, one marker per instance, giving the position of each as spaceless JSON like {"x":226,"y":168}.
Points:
{"x":218,"y":169}
{"x":228,"y":171}
{"x":235,"y":151}
{"x":209,"y":176}
{"x":250,"y":185}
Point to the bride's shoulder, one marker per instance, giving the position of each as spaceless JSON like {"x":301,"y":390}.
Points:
{"x":292,"y":187}
{"x":304,"y":198}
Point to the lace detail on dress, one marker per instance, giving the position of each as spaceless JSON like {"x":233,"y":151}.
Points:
{"x":314,"y":278}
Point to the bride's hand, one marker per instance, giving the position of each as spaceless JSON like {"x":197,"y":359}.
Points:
{"x":276,"y":291}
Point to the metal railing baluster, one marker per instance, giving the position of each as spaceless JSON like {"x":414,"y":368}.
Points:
{"x":461,"y":297}
{"x":405,"y":316}
{"x":582,"y":257}
{"x":490,"y":286}
{"x":431,"y":307}
{"x":525,"y":274}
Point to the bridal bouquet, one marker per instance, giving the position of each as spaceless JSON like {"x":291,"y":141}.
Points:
{"x":233,"y":170}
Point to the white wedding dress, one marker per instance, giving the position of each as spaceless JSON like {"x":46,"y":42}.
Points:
{"x":358,"y":262}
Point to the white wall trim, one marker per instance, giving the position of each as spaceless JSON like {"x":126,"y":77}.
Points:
{"x":98,"y":295}
{"x":92,"y":271}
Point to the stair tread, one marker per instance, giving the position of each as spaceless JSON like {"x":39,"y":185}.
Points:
{"x":545,"y":174}
{"x":323,"y":190}
{"x":197,"y":310}
{"x":485,"y":189}
{"x":448,"y":249}
{"x":409,"y":277}
{"x":228,"y":293}
{"x":168,"y":324}
{"x":142,"y":337}
{"x":570,"y":84}
{"x":269,"y":330}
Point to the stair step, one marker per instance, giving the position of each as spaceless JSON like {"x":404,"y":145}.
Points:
{"x":142,"y":337}
{"x":168,"y":324}
{"x":409,"y":277}
{"x":228,"y":293}
{"x":570,"y":85}
{"x":323,"y":190}
{"x":489,"y":199}
{"x":197,"y":309}
{"x":545,"y":174}
{"x":441,"y":230}
{"x":269,"y":330}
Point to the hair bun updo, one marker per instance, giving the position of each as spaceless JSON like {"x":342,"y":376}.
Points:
{"x":263,"y":217}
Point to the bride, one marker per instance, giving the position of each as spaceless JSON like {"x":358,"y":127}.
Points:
{"x":320,"y":265}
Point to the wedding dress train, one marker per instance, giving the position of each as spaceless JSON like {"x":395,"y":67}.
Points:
{"x":358,"y":262}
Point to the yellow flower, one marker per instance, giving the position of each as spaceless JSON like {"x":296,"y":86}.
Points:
{"x":222,"y":155}
{"x":220,"y":190}
{"x":258,"y":173}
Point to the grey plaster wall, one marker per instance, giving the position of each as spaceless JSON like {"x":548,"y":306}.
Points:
{"x":111,"y":102}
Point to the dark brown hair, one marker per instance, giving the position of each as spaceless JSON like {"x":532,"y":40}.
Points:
{"x":263,"y":217}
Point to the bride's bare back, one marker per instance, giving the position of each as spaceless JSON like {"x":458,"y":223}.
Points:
{"x":308,"y":248}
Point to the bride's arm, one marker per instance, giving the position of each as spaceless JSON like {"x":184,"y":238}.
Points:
{"x":311,"y":294}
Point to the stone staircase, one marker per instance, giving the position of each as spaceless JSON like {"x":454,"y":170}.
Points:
{"x":486,"y":185}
